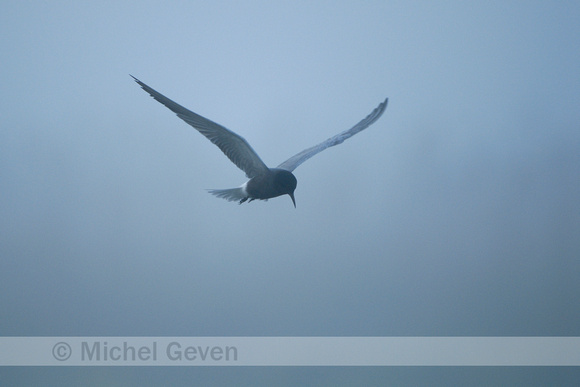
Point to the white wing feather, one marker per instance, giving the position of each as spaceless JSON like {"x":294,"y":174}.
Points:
{"x":301,"y":157}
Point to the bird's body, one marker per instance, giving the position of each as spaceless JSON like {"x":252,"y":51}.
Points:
{"x":265,"y":183}
{"x":276,"y":182}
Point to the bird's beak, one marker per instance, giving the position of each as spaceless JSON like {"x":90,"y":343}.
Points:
{"x":291,"y":194}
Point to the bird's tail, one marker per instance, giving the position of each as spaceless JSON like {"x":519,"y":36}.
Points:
{"x":231,"y":194}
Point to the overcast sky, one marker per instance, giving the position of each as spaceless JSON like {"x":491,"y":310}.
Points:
{"x":455,"y":214}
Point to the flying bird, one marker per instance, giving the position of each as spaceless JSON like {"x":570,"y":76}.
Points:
{"x":265,"y":183}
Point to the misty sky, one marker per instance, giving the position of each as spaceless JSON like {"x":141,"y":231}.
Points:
{"x":455,"y":214}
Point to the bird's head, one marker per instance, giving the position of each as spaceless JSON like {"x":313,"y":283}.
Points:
{"x":285,"y":183}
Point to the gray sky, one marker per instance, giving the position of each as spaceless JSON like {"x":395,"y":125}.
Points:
{"x":456,"y":214}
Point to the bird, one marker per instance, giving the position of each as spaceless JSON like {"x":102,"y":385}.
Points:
{"x":264,"y":183}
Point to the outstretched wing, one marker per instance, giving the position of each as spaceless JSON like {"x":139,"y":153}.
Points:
{"x":234,"y":146}
{"x":301,"y":157}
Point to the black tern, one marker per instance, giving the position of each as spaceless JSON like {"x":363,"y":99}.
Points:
{"x":265,"y":183}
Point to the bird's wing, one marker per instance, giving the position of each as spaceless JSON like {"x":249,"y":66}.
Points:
{"x":301,"y":157}
{"x":233,"y":145}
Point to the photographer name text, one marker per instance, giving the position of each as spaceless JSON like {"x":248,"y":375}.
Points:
{"x":104,"y":351}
